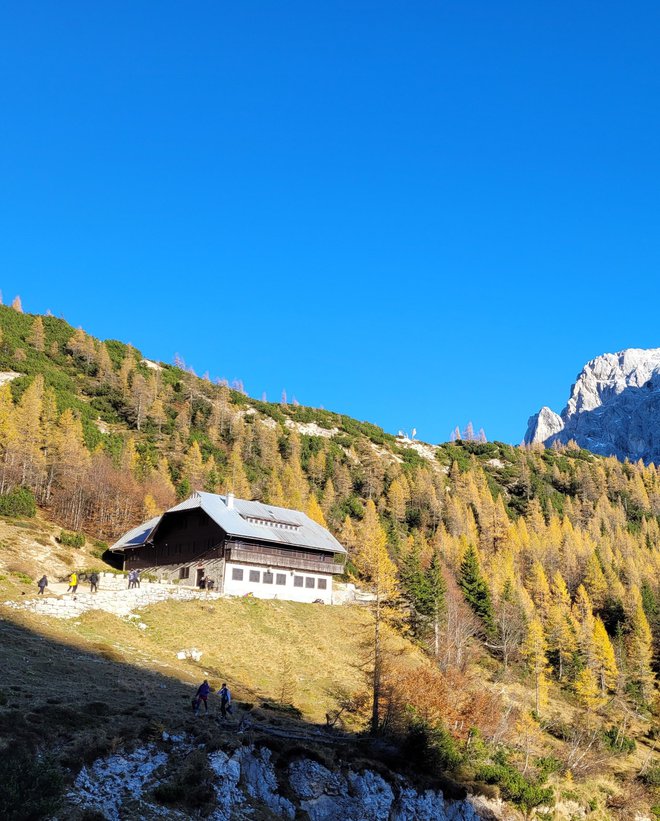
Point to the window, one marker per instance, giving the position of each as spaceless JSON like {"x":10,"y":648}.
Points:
{"x":255,"y":575}
{"x":237,"y":574}
{"x":280,"y":578}
{"x":322,"y":584}
{"x":310,"y":581}
{"x":268,"y":578}
{"x":298,"y":581}
{"x":184,"y":572}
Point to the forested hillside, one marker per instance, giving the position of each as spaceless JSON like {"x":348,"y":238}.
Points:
{"x":541,"y":566}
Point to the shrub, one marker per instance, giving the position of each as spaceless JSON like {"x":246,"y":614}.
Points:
{"x":71,"y":539}
{"x":515,"y":787}
{"x":30,"y":787}
{"x":18,"y":502}
{"x":617,"y":742}
{"x":190,"y":787}
{"x":652,"y":776}
{"x":429,"y":749}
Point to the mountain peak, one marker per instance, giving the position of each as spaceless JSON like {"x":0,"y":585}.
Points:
{"x":613,"y":408}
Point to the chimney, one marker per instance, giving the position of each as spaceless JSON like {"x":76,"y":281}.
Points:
{"x":230,"y":500}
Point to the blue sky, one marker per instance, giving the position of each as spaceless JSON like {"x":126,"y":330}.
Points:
{"x":416,"y":213}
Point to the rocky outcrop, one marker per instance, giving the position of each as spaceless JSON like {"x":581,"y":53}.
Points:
{"x":245,"y":779}
{"x":613,"y":408}
{"x":543,"y":425}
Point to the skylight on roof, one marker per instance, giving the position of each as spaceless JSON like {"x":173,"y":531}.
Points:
{"x":280,"y":525}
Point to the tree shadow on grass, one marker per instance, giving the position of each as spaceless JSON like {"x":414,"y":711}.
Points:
{"x":81,"y":704}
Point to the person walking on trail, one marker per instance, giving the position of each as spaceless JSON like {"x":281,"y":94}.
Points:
{"x":225,"y":700}
{"x":42,"y":584}
{"x":202,"y":696}
{"x":136,"y":578}
{"x":131,"y":579}
{"x":94,"y":583}
{"x":73,"y":583}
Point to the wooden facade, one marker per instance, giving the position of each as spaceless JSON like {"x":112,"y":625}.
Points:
{"x":186,"y":537}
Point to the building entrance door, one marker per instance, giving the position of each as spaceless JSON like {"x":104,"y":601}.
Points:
{"x":200,"y":576}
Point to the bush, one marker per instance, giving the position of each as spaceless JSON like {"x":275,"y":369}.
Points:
{"x":515,"y":787}
{"x":18,"y":502}
{"x":652,"y":776}
{"x":429,"y":749}
{"x":30,"y":787}
{"x":618,"y":742}
{"x":71,"y":539}
{"x":190,"y":787}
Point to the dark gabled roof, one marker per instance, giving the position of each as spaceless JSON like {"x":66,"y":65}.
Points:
{"x":251,"y":520}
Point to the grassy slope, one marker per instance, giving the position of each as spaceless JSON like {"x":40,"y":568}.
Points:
{"x":93,"y":683}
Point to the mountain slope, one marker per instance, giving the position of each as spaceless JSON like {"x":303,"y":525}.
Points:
{"x":528,"y":576}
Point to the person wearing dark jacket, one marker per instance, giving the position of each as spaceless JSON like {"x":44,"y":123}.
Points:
{"x":42,"y":584}
{"x":203,"y":695}
{"x":94,"y":583}
{"x":225,"y":700}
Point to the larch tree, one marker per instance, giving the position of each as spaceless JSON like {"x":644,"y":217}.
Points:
{"x":639,"y":647}
{"x":534,"y":651}
{"x":17,"y":304}
{"x":29,"y":431}
{"x":397,"y":500}
{"x":141,"y":399}
{"x":8,"y":437}
{"x":237,"y":478}
{"x":37,"y":336}
{"x":378,"y":572}
{"x":604,"y":659}
{"x":314,"y":510}
{"x":586,"y":688}
{"x":193,"y":467}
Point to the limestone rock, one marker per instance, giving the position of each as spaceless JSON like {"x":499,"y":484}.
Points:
{"x":613,"y":408}
{"x":542,"y":426}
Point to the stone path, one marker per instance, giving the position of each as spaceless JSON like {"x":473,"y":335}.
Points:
{"x":112,"y":597}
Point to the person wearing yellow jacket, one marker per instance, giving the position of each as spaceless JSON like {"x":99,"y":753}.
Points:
{"x":73,"y":583}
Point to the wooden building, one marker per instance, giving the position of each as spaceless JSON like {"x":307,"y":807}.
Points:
{"x":244,"y":547}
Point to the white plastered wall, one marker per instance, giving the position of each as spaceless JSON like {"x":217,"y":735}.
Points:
{"x":287,"y":591}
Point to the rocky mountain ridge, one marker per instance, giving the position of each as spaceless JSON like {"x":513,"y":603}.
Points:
{"x":613,"y":408}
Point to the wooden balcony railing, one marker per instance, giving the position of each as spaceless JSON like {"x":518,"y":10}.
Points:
{"x":295,"y":562}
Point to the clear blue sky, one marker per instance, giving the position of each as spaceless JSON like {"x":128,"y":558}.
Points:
{"x":417,"y":213}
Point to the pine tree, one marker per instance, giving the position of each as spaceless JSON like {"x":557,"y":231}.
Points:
{"x":475,"y":589}
{"x":434,"y":600}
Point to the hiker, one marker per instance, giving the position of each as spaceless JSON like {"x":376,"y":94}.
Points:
{"x":209,"y":584}
{"x":94,"y":582}
{"x":73,"y":582}
{"x":225,"y":700}
{"x":202,"y":695}
{"x":202,"y":583}
{"x":42,"y":584}
{"x":136,"y":578}
{"x":131,"y":579}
